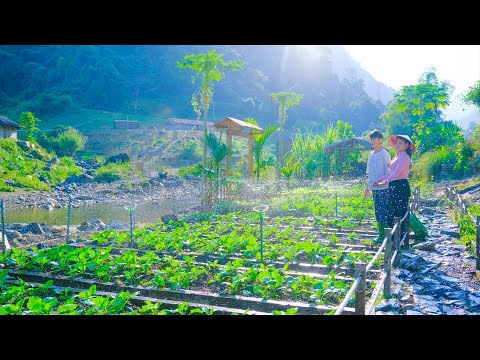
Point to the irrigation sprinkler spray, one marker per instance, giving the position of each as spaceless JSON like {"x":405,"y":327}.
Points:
{"x":261,"y":209}
{"x":336,"y":204}
{"x":5,"y":246}
{"x":130,"y":211}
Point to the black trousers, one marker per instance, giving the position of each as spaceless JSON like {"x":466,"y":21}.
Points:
{"x":381,"y":205}
{"x":399,"y":195}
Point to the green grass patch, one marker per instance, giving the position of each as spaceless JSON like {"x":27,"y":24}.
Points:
{"x":114,"y":172}
{"x":86,"y":120}
{"x":24,"y":168}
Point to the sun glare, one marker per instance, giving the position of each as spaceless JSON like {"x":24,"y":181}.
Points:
{"x":302,"y":55}
{"x":309,"y":51}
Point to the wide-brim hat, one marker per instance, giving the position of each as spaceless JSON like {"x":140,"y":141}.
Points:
{"x":393,"y":138}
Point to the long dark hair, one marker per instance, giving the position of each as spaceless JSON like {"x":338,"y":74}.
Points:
{"x":409,"y":149}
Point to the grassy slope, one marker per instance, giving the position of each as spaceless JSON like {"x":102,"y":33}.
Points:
{"x":25,"y":167}
{"x":86,"y":120}
{"x":104,"y":140}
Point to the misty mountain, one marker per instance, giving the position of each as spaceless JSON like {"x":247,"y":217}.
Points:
{"x":463,"y":114}
{"x":345,"y":66}
{"x":145,"y":80}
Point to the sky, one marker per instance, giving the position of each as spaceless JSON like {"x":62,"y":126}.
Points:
{"x":401,"y":65}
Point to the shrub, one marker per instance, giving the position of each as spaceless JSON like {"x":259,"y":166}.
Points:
{"x":225,"y":207}
{"x":189,"y":150}
{"x":64,"y":141}
{"x":195,"y":170}
{"x":5,"y":187}
{"x":64,"y":168}
{"x":113,"y":172}
{"x":429,"y":165}
{"x":70,"y":141}
{"x":29,"y":182}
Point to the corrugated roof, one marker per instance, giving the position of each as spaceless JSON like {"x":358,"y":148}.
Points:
{"x":4,"y":121}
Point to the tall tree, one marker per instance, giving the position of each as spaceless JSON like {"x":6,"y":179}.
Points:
{"x":473,"y":95}
{"x":285,"y":100}
{"x":29,"y":122}
{"x":420,"y":106}
{"x":208,"y":68}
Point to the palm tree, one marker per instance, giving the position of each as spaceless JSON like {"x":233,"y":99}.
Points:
{"x":285,"y":100}
{"x":209,"y":67}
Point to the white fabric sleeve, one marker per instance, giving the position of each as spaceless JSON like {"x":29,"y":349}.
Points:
{"x":368,"y":164}
{"x":388,"y":160}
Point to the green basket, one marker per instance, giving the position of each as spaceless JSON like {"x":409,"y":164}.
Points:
{"x":417,"y":227}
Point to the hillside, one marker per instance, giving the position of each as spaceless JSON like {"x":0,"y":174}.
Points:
{"x":29,"y":166}
{"x":78,"y":85}
{"x":345,"y":66}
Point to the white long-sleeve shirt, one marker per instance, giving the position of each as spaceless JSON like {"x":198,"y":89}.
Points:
{"x":377,"y":166}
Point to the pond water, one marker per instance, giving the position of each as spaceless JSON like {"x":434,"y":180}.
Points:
{"x":143,"y":213}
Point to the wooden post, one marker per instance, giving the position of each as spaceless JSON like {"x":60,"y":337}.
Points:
{"x":417,"y":197}
{"x":477,"y":250}
{"x":228,"y":160}
{"x":388,"y":264}
{"x":406,"y":244}
{"x":250,"y":156}
{"x":360,"y":269}
{"x":5,"y":245}
{"x":396,"y":240}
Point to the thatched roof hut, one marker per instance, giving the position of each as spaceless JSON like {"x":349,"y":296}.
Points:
{"x":340,"y":148}
{"x":349,"y":145}
{"x":235,"y":127}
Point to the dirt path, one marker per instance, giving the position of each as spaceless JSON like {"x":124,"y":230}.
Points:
{"x":437,"y":275}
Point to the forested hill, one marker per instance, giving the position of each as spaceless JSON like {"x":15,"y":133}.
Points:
{"x":145,"y":80}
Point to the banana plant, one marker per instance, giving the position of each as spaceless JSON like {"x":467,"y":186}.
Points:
{"x":259,"y":143}
{"x":218,"y":150}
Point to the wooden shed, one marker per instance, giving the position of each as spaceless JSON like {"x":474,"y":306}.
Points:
{"x":8,"y":128}
{"x":241,"y":128}
{"x":126,"y":124}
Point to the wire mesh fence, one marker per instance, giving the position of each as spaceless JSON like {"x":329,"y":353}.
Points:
{"x":109,"y":206}
{"x":69,"y":214}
